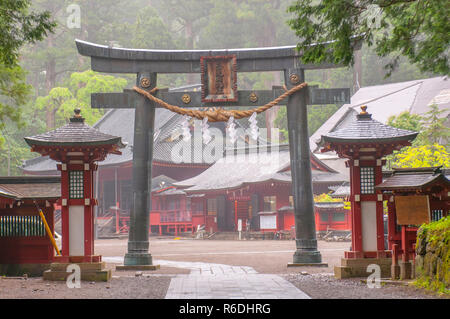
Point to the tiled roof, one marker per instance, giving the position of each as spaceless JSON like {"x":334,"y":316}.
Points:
{"x":235,"y":171}
{"x":27,"y":187}
{"x":365,"y":129}
{"x":413,"y":179}
{"x":167,"y":137}
{"x":340,"y":191}
{"x":329,"y":204}
{"x":76,"y":132}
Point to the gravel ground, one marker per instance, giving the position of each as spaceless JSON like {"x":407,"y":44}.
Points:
{"x":266,"y":257}
{"x":124,"y":287}
{"x":325,"y":286}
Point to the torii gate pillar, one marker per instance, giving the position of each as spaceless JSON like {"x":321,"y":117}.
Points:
{"x":305,"y":230}
{"x":144,"y":121}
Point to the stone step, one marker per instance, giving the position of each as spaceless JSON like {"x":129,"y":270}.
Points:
{"x":86,"y":275}
{"x":83,"y":266}
{"x":361,"y":262}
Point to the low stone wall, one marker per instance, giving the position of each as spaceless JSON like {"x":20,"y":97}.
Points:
{"x":31,"y":270}
{"x":433,"y":256}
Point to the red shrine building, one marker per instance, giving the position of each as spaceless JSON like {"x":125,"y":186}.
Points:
{"x":24,"y":243}
{"x":364,"y":142}
{"x":251,"y":185}
{"x":77,"y":148}
{"x":414,"y":196}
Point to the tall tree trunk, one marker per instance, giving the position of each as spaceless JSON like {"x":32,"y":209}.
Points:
{"x":267,"y":39}
{"x":50,"y":68}
{"x":357,"y":71}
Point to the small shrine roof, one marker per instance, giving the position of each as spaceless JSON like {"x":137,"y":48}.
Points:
{"x":363,"y":128}
{"x":30,"y":187}
{"x":75,"y":133}
{"x":413,"y":178}
{"x":329,"y":205}
{"x":340,"y":191}
{"x":286,"y":209}
{"x":170,"y":191}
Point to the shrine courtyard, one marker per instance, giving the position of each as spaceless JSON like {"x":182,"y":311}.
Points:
{"x":181,"y":259}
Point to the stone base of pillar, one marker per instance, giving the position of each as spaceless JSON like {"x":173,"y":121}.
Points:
{"x":307,"y":257}
{"x":137,"y":261}
{"x":94,"y":271}
{"x":307,"y":265}
{"x":395,"y":272}
{"x":357,"y":267}
{"x":406,"y":270}
{"x":137,"y":267}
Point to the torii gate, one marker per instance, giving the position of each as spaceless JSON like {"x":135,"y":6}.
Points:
{"x":148,"y":63}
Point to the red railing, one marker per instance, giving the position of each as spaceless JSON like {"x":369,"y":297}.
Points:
{"x":23,"y":239}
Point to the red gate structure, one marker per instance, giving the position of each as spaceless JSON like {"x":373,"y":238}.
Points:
{"x":25,"y":247}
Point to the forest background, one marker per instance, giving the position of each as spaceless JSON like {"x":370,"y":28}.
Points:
{"x":55,"y":79}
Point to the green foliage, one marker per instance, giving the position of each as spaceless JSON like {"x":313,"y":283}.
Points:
{"x":13,"y":92}
{"x":406,"y":121}
{"x":61,"y":101}
{"x":19,"y":26}
{"x":426,"y":150}
{"x":149,"y":23}
{"x":422,"y":156}
{"x":317,"y":115}
{"x":326,"y":198}
{"x":435,"y":130}
{"x":418,"y":30}
{"x":433,"y":256}
{"x":58,"y":82}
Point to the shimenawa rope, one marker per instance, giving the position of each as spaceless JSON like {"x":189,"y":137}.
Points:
{"x":216,"y":114}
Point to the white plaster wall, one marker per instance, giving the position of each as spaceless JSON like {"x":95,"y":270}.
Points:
{"x":369,"y":226}
{"x":76,"y":230}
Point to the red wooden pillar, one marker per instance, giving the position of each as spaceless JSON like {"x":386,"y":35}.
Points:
{"x":391,"y":221}
{"x":379,"y":208}
{"x":64,"y":210}
{"x":405,"y":248}
{"x":235,"y":214}
{"x":355,"y":185}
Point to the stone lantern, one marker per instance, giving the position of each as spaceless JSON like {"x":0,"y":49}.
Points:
{"x":77,"y":147}
{"x":364,"y":142}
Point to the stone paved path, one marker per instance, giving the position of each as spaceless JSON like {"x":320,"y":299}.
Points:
{"x":218,"y":281}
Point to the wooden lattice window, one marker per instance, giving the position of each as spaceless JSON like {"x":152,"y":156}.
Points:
{"x":367,"y":180}
{"x":338,"y":217}
{"x":76,"y":184}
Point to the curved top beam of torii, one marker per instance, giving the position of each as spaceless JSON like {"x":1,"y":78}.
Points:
{"x":122,"y":60}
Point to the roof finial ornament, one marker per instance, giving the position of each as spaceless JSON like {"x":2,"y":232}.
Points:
{"x":363,"y":110}
{"x":77,"y":116}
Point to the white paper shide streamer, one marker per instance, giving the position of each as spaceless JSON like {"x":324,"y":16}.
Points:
{"x":185,"y":130}
{"x":231,"y":130}
{"x":205,"y":131}
{"x":254,"y":130}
